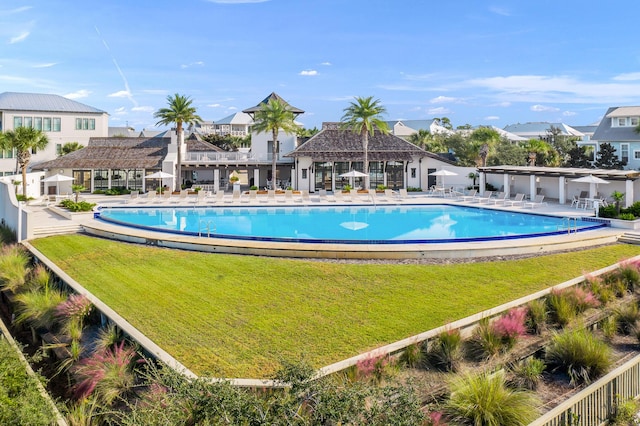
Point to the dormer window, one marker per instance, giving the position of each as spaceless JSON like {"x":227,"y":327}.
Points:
{"x":634,"y":121}
{"x":622,"y":121}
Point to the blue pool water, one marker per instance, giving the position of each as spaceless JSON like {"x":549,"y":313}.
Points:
{"x":336,"y":224}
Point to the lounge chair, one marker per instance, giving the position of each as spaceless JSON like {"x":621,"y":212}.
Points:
{"x":389,"y":193}
{"x":486,"y":197}
{"x":518,"y":199}
{"x":538,"y":201}
{"x":201,"y":196}
{"x":166,"y":195}
{"x":219,"y":196}
{"x":304,"y":197}
{"x":133,"y":197}
{"x":182,"y":197}
{"x":271,"y":196}
{"x":500,"y":197}
{"x":342,"y":197}
{"x":469,"y":197}
{"x":151,"y":195}
{"x":288,"y":196}
{"x":235,"y":197}
{"x":326,"y":197}
{"x":402,"y":193}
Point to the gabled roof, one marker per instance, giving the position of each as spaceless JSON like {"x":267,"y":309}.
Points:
{"x":15,"y":101}
{"x":272,"y":96}
{"x":540,"y":128}
{"x":122,"y":131}
{"x":113,"y":153}
{"x":334,"y":144}
{"x":237,"y":118}
{"x":606,"y":133}
{"x":626,"y":111}
{"x":195,"y":143}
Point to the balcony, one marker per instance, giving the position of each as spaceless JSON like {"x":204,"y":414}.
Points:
{"x":222,"y":158}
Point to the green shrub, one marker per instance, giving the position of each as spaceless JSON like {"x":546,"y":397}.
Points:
{"x":629,"y":275}
{"x":627,"y":316}
{"x":633,"y":209}
{"x":253,"y":188}
{"x":527,"y":374}
{"x":98,"y":191}
{"x":412,"y":356}
{"x":626,"y":216}
{"x":485,"y":342}
{"x":624,"y":412}
{"x":604,"y":293}
{"x":7,"y":235}
{"x":381,"y":187}
{"x":82,"y":206}
{"x":536,"y":315}
{"x":13,"y":267}
{"x":445,"y":352}
{"x":579,"y":354}
{"x":608,"y":211}
{"x":561,"y":308}
{"x":609,"y":327}
{"x":412,"y":189}
{"x":486,"y":399}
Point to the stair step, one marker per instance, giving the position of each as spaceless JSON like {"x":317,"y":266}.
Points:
{"x":57,"y":230}
{"x":630,"y":238}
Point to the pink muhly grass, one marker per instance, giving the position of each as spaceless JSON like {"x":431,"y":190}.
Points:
{"x":373,"y":365}
{"x":76,"y":306}
{"x":630,"y":263}
{"x":107,"y":372}
{"x":512,"y":324}
{"x":435,"y":419}
{"x":582,"y":299}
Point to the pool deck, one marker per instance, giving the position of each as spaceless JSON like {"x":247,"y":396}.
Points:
{"x":48,"y":222}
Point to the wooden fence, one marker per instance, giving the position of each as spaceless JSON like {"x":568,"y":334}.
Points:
{"x":594,"y":405}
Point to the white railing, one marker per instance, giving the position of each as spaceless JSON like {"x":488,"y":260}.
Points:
{"x":594,"y":405}
{"x":213,"y":157}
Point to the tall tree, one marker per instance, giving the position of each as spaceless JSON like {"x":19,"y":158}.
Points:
{"x":425,"y":140}
{"x":578,"y":157}
{"x":487,"y":138}
{"x":606,"y":158}
{"x":508,"y":153}
{"x":179,"y":111}
{"x":364,"y":116}
{"x":535,"y":147}
{"x":274,"y":116}
{"x":23,"y":140}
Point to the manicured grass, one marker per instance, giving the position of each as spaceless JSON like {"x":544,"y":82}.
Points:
{"x":237,"y":316}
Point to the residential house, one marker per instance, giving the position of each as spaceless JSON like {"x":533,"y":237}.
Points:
{"x":405,"y":128}
{"x":618,"y":128}
{"x":393,"y":162}
{"x":238,"y":124}
{"x":541,"y":130}
{"x":62,"y":120}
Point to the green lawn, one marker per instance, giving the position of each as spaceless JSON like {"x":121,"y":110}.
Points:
{"x":237,"y":316}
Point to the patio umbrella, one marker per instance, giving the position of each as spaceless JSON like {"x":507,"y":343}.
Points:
{"x":352,"y":174}
{"x":443,"y":173}
{"x":159,"y":175}
{"x":592,"y":181}
{"x":57,"y":178}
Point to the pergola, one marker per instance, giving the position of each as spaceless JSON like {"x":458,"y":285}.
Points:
{"x":560,"y":177}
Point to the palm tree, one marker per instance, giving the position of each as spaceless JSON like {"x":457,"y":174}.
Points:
{"x":274,"y":116}
{"x":70,"y":147}
{"x":23,"y":140}
{"x":535,"y":147}
{"x":486,"y":138}
{"x":179,"y":111}
{"x":421,"y":138}
{"x":363,"y":117}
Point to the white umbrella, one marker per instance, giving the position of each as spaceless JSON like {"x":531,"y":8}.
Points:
{"x":352,"y":174}
{"x":57,"y":178}
{"x":443,"y":173}
{"x":159,"y":175}
{"x":592,"y":181}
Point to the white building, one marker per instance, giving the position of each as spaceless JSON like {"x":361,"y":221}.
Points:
{"x":61,"y":119}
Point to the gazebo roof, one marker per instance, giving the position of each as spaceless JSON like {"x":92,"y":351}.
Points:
{"x":273,"y":96}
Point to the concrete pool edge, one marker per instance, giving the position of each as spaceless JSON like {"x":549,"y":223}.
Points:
{"x":462,"y":250}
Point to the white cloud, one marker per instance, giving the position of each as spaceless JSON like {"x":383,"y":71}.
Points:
{"x":120,"y":111}
{"x":47,"y":65}
{"x":192,"y":64}
{"x":16,"y":10}
{"x":492,"y":118}
{"x":438,"y":111}
{"x":120,"y":94}
{"x":543,"y":108}
{"x":19,"y":38}
{"x":569,"y":113}
{"x":308,"y":72}
{"x":630,"y":76}
{"x":232,"y":108}
{"x":326,"y":64}
{"x":143,"y":109}
{"x":442,"y":99}
{"x":214,"y":105}
{"x":78,"y":94}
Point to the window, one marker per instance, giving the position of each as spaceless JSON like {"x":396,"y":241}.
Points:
{"x":78,"y":123}
{"x":636,"y":155}
{"x":624,"y":152}
{"x":37,"y":123}
{"x":56,"y":124}
{"x":413,"y":172}
{"x":622,"y":122}
{"x":92,"y":124}
{"x":7,"y":153}
{"x":28,"y":122}
{"x":46,"y":124}
{"x":304,"y":173}
{"x":58,"y":149}
{"x":17,"y":122}
{"x":634,"y":121}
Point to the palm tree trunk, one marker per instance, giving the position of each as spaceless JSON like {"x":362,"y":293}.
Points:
{"x":274,"y":158}
{"x":365,"y":149}
{"x":23,"y":161}
{"x":178,"y":185}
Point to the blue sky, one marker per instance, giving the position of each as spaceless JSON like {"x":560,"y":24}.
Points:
{"x":473,"y":61}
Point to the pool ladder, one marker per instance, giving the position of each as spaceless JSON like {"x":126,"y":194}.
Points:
{"x":207,"y":226}
{"x":567,"y":223}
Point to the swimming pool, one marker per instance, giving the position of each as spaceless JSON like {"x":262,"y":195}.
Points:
{"x":348,"y":225}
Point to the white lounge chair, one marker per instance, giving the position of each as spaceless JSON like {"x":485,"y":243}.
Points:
{"x":486,"y":197}
{"x":500,"y":197}
{"x":518,"y":200}
{"x":538,"y":201}
{"x":468,"y":197}
{"x":402,"y":193}
{"x":326,"y":197}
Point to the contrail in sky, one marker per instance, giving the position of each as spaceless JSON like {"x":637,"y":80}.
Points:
{"x":124,"y":79}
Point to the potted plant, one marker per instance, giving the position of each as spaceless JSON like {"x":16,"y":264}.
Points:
{"x":235,"y":180}
{"x":346,"y":188}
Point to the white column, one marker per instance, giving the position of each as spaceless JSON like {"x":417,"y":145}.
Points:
{"x":109,"y":178}
{"x":628,"y":191}
{"x":216,"y":180}
{"x":562,"y":197}
{"x":532,"y":187}
{"x":256,"y":177}
{"x":506,"y":183}
{"x":483,"y":182}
